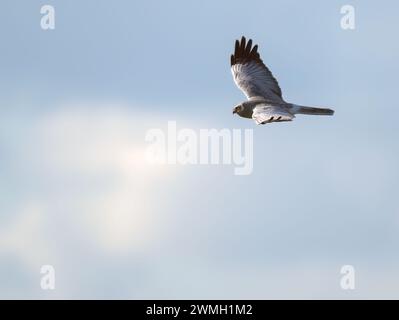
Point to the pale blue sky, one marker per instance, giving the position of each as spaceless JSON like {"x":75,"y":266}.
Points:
{"x":76,"y":103}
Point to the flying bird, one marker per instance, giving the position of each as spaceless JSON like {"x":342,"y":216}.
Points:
{"x":265,"y":102}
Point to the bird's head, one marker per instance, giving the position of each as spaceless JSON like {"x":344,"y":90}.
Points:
{"x":238,"y":108}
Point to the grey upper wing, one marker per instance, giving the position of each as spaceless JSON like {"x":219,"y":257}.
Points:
{"x":251,"y":75}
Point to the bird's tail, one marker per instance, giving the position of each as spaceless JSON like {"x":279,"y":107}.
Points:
{"x":296,"y":109}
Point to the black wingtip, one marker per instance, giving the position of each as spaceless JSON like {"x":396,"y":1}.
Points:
{"x":244,"y":52}
{"x":237,"y":46}
{"x":248,"y":47}
{"x":242,"y":45}
{"x":254,"y":50}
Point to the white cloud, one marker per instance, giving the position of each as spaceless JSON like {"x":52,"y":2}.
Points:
{"x":23,"y":235}
{"x":77,"y":144}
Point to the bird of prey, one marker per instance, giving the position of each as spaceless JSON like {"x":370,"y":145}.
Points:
{"x":265,"y":102}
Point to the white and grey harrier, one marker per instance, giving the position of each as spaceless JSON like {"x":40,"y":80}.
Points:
{"x":265,"y":103}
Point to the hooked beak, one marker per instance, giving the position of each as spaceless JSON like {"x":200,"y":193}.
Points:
{"x":234,"y":110}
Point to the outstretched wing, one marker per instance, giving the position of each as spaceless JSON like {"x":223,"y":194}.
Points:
{"x":266,"y":114}
{"x":251,"y":75}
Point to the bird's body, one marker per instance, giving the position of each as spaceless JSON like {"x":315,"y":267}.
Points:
{"x":265,"y":103}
